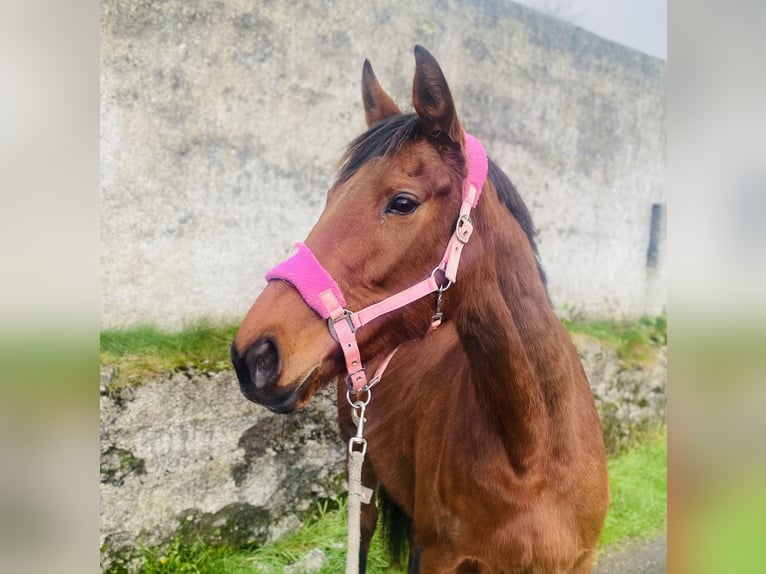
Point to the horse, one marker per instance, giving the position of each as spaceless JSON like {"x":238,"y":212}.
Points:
{"x":483,"y":441}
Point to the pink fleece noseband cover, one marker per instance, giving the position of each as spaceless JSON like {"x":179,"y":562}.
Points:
{"x":306,"y":274}
{"x":320,"y":291}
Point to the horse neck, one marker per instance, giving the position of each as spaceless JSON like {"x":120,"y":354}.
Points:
{"x":519,"y":355}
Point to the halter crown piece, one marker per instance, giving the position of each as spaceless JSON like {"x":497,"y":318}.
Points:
{"x":320,"y":291}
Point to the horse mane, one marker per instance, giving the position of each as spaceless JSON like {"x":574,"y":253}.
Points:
{"x":512,"y":200}
{"x":386,"y":138}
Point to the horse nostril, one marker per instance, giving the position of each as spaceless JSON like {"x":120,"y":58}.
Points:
{"x":262,"y":360}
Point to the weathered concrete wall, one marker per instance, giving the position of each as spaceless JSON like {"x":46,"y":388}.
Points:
{"x":222,"y":123}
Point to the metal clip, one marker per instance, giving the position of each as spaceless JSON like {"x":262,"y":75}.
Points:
{"x":439,"y":302}
{"x":437,"y":316}
{"x":357,"y":415}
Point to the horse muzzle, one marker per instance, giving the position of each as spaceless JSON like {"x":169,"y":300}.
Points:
{"x":280,"y":349}
{"x":258,"y":372}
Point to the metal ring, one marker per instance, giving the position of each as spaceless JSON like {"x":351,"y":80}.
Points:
{"x":442,"y":289}
{"x":353,"y":403}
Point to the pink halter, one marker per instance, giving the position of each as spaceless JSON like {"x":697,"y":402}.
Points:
{"x":320,"y":291}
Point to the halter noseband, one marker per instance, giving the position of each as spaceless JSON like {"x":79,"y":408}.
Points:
{"x":320,"y":291}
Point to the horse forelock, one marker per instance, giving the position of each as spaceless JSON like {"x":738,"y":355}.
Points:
{"x":387,"y":137}
{"x":384,"y":139}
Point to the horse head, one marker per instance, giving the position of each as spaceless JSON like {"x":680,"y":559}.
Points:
{"x":387,"y":220}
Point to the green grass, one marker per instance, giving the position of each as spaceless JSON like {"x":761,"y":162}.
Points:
{"x":180,"y":558}
{"x":638,"y":480}
{"x":144,"y":352}
{"x":634,"y":341}
{"x":723,"y":521}
{"x":141,"y":353}
{"x":324,"y":530}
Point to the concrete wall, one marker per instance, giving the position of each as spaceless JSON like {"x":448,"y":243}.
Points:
{"x":221,"y":123}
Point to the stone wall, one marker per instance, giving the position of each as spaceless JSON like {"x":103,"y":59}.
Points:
{"x":221,"y":122}
{"x":187,"y":456}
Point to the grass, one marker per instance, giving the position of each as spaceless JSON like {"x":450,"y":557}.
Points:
{"x":634,"y":341}
{"x":144,"y":352}
{"x":638,"y":480}
{"x":723,"y":521}
{"x":324,"y":530}
{"x":180,"y":558}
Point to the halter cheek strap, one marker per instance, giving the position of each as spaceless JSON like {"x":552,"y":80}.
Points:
{"x":320,"y":291}
{"x":478,"y":165}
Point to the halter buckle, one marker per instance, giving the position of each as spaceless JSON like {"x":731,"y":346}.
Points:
{"x":464,"y":228}
{"x":331,"y":324}
{"x":350,"y":380}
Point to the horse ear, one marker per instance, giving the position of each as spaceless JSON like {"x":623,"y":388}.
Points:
{"x":432,"y":99}
{"x":378,"y":105}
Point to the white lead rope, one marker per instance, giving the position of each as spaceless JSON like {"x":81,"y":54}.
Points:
{"x":357,"y":493}
{"x":355,"y":460}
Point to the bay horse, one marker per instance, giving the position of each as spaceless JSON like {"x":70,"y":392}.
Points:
{"x":483,"y":438}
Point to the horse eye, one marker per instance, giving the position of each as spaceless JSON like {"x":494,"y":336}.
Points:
{"x":402,"y":205}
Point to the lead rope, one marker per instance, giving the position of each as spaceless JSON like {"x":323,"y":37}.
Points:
{"x":357,"y":493}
